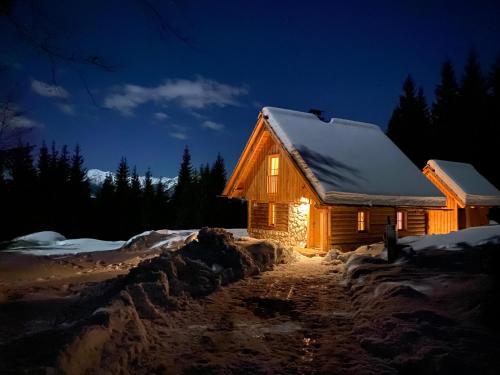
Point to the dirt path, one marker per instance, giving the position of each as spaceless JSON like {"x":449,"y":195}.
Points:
{"x":295,"y":320}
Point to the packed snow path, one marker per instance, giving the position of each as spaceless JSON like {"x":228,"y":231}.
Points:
{"x":295,"y":320}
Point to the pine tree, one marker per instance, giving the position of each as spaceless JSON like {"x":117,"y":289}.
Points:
{"x":79,"y":193}
{"x":410,"y":123}
{"x":148,"y":195}
{"x":471,"y":127}
{"x":134,"y":211}
{"x":184,"y":201}
{"x":45,"y":212}
{"x":493,"y":133}
{"x":106,"y":206}
{"x":160,"y":208}
{"x":444,"y":114}
{"x":122,"y":179}
{"x":122,"y":199}
{"x":23,"y":190}
{"x":219,"y":207}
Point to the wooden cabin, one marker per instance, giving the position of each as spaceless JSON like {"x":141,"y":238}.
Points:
{"x":469,"y":196}
{"x":318,"y":184}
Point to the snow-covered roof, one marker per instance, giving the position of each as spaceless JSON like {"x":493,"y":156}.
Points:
{"x":351,"y":162}
{"x":466,"y":182}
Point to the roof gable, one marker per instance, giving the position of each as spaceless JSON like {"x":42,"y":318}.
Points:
{"x":349,"y":162}
{"x":466,"y":182}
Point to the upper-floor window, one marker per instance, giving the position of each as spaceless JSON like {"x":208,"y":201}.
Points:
{"x":273,"y":167}
{"x":401,"y":220}
{"x":362,"y":221}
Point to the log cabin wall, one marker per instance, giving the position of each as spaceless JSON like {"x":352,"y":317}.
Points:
{"x":416,"y":222}
{"x":344,"y":229}
{"x":344,"y":225}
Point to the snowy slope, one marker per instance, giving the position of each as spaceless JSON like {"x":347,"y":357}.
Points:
{"x":351,"y":162}
{"x":96,"y":178}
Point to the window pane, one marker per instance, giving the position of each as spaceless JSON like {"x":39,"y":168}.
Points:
{"x":275,"y":163}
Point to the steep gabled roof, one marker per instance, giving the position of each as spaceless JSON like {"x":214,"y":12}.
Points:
{"x":350,"y":162}
{"x":466,"y":183}
{"x":345,"y":162}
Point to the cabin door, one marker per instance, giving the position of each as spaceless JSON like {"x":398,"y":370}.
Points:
{"x":318,"y":228}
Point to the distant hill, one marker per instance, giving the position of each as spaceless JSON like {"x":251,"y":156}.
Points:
{"x":96,"y":178}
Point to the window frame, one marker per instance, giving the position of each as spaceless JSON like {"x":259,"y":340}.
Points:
{"x":365,"y":222}
{"x":272,"y":174}
{"x":404,"y":221}
{"x":271,"y":214}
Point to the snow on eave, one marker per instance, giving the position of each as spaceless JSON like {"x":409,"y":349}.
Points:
{"x":466,"y":198}
{"x":382,"y":200}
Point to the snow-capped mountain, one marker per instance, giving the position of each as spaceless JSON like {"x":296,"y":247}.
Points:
{"x":96,"y":178}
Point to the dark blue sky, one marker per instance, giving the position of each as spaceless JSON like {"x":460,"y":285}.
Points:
{"x":348,"y":59}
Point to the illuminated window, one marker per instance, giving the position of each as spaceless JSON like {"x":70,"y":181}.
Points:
{"x":362,"y":221}
{"x":400,"y":220}
{"x":272,"y":214}
{"x":272,"y":173}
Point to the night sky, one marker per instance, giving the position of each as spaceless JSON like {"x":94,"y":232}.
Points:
{"x":203,"y":84}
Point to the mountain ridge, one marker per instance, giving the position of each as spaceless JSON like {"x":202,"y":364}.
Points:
{"x":96,"y":178}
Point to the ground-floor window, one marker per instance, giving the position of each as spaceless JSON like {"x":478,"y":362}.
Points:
{"x":362,"y":221}
{"x":272,"y":214}
{"x":401,"y":220}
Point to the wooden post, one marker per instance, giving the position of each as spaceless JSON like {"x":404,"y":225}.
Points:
{"x":391,"y":241}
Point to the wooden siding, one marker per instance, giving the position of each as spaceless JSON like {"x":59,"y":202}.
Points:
{"x":344,"y":219}
{"x":260,"y":216}
{"x":291,"y":185}
{"x":416,"y":222}
{"x":344,"y":233}
{"x":442,"y":220}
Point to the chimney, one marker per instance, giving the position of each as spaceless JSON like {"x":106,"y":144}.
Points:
{"x":318,"y":113}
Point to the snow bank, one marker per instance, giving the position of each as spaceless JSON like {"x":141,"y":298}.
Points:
{"x":46,"y":236}
{"x":455,"y":240}
{"x":73,"y":246}
{"x":53,"y":243}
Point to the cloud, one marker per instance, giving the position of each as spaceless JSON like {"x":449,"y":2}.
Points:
{"x":191,"y":94}
{"x":212,"y":125}
{"x":178,"y":135}
{"x":12,"y":116}
{"x":49,"y":91}
{"x":23,"y":122}
{"x":66,"y":108}
{"x":178,"y":131}
{"x":161,"y":116}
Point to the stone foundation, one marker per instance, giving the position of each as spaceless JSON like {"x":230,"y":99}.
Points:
{"x":296,"y":235}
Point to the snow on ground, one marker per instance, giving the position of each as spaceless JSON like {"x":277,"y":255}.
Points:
{"x":458,"y":240}
{"x":45,"y":236}
{"x":53,"y":243}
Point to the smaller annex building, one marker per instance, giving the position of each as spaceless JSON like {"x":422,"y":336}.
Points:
{"x":323,"y":184}
{"x":469,"y":196}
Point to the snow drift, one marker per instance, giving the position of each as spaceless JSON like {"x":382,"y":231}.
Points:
{"x":109,"y":325}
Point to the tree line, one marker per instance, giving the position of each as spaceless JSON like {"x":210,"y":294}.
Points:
{"x":462,"y":124}
{"x":53,"y":193}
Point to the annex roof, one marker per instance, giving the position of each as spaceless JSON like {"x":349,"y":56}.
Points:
{"x":466,"y":182}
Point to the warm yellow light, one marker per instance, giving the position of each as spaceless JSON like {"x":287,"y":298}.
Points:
{"x":304,"y":206}
{"x":275,"y":165}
